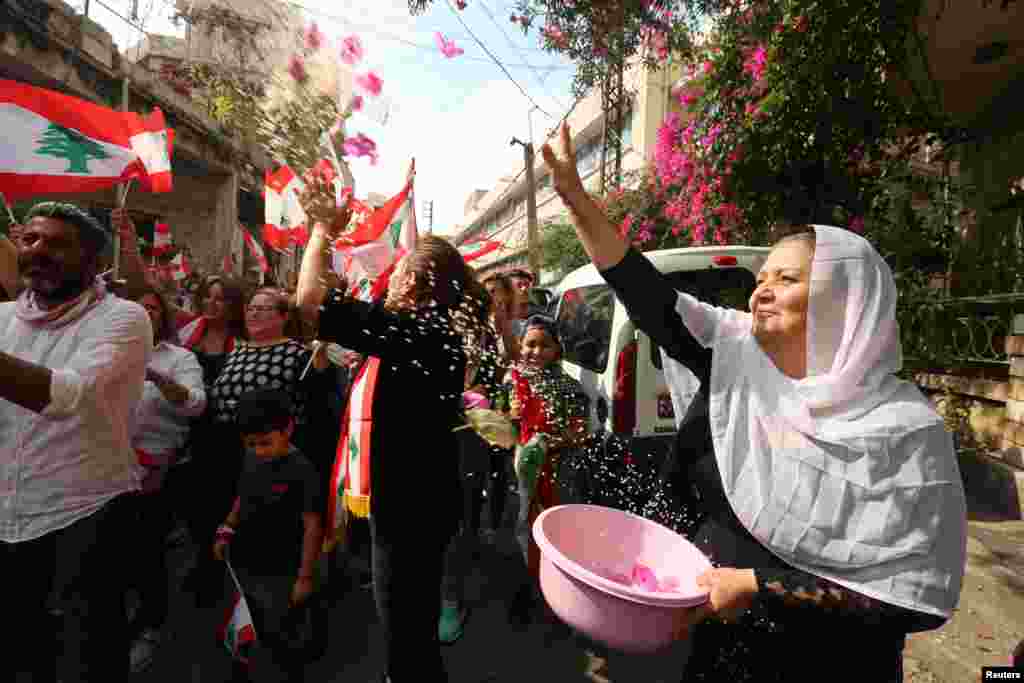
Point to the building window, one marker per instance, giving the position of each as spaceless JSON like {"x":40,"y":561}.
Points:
{"x":627,"y":130}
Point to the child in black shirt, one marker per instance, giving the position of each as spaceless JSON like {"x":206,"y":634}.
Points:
{"x":274,"y":531}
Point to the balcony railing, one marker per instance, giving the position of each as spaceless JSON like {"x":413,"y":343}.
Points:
{"x":956,"y":332}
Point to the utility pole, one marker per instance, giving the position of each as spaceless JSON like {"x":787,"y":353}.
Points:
{"x":532,"y":237}
{"x":428,"y":212}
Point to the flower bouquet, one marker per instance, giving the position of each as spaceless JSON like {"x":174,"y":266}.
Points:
{"x":492,"y":426}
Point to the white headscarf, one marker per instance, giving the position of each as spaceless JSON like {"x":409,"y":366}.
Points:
{"x":848,"y":473}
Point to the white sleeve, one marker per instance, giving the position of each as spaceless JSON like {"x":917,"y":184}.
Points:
{"x":116,"y":355}
{"x":708,"y":324}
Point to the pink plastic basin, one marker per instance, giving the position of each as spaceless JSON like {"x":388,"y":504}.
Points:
{"x":583,"y":547}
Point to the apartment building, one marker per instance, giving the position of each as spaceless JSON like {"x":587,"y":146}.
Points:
{"x":500,"y":212}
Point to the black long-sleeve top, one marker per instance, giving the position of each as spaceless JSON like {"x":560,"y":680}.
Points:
{"x":796,"y":596}
{"x":416,"y":405}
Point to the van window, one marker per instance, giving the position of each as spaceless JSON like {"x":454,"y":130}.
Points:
{"x":726,"y":287}
{"x":585,"y":325}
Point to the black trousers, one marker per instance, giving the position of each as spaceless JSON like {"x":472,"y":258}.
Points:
{"x":151,"y":519}
{"x":407,"y":568}
{"x":203,"y":491}
{"x":84,"y":567}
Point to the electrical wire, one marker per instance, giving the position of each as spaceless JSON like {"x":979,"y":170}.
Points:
{"x":497,"y":61}
{"x":512,"y":44}
{"x":385,"y":35}
{"x":515,"y":180}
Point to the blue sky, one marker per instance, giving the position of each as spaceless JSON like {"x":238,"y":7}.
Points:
{"x":456,"y":116}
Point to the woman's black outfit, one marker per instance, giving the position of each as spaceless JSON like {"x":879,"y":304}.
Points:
{"x":414,"y":468}
{"x":800,"y":623}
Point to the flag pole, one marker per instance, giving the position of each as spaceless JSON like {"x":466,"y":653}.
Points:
{"x":124,"y":194}
{"x":121,"y":199}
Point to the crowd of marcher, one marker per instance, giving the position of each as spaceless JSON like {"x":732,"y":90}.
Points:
{"x":824,"y":489}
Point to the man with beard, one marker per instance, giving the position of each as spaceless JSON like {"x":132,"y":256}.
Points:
{"x":72,"y":365}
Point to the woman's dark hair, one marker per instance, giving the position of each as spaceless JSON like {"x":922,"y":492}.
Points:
{"x":263,"y":411}
{"x":166,"y":330}
{"x":234,"y":295}
{"x":502,"y":279}
{"x":442,"y":278}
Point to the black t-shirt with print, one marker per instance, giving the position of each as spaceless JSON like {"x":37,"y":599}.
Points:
{"x":274,"y":494}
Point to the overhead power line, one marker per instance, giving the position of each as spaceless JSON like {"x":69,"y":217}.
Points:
{"x":496,"y":60}
{"x":512,"y":44}
{"x":385,"y":35}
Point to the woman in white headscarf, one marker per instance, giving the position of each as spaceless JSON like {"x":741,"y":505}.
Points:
{"x":827,"y":491}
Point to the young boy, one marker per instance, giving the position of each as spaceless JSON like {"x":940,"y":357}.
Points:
{"x":551,"y":409}
{"x":274,"y":532}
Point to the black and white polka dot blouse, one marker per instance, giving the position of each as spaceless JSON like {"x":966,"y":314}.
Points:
{"x":249,"y":368}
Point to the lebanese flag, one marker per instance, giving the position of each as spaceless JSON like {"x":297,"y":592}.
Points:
{"x":161,"y":239}
{"x":55,"y":143}
{"x":382,"y":220}
{"x":298,"y":235}
{"x":282,"y":210}
{"x":255,"y":249}
{"x":397,"y":238}
{"x":475,"y":250}
{"x":180,"y":268}
{"x":237,"y":632}
{"x":276,"y":239}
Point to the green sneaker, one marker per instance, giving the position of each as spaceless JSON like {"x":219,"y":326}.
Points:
{"x":449,"y":626}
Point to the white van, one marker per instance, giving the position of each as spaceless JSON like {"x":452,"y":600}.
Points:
{"x":618,"y":366}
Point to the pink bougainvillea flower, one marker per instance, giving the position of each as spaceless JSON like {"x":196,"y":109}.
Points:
{"x":857,"y":224}
{"x":555,"y":36}
{"x":313,"y":38}
{"x":447,"y":47}
{"x":756,"y":63}
{"x":644,"y":578}
{"x":297,"y":68}
{"x":356,"y":103}
{"x":708,"y":66}
{"x":360,"y":146}
{"x":370,"y":83}
{"x":801,"y":23}
{"x":351,"y":51}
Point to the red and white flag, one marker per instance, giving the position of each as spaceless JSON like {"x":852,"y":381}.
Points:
{"x":475,"y":250}
{"x":256,"y":250}
{"x":180,"y":269}
{"x":237,"y":632}
{"x":282,"y":211}
{"x":161,"y":239}
{"x":379,"y":242}
{"x":55,"y":143}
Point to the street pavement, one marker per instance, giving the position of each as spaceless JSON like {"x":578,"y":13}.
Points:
{"x":987,"y":625}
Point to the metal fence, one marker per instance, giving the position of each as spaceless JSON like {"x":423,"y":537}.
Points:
{"x":959,"y":331}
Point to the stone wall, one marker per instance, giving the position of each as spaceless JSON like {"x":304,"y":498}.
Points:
{"x":989,"y":414}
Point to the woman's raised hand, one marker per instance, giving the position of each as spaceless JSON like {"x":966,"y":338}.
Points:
{"x":564,"y":176}
{"x":319,"y":203}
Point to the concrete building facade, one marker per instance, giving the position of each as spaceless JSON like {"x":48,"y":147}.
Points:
{"x":500,"y":212}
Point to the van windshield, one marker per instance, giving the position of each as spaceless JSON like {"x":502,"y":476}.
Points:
{"x":725,"y":287}
{"x":585,"y":325}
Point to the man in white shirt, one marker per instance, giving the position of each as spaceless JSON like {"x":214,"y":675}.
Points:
{"x":72,"y":362}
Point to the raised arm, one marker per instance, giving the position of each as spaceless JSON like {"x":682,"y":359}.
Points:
{"x":600,"y":239}
{"x":424,"y":339}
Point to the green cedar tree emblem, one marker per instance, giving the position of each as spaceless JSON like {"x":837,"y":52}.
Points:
{"x":65,"y":143}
